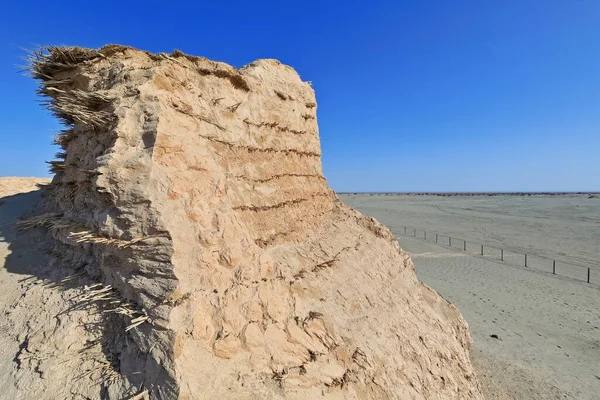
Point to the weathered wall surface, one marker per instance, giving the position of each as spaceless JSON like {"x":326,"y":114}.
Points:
{"x":194,"y":192}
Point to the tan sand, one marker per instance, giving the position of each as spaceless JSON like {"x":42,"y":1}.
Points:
{"x":10,"y":186}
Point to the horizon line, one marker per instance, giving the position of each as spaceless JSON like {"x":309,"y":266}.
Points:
{"x":488,"y":192}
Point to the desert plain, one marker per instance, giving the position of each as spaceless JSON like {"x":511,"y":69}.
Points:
{"x":535,"y":335}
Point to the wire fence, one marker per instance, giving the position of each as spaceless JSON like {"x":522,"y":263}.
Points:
{"x":573,"y":269}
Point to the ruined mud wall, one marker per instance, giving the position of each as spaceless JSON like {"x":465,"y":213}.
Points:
{"x":192,"y":192}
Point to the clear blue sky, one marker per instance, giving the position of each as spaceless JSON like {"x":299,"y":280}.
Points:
{"x":412,"y":95}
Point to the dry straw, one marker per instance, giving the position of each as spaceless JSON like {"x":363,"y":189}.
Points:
{"x":108,"y":296}
{"x":56,"y":166}
{"x":103,"y":367}
{"x":64,"y":137}
{"x":68,"y":106}
{"x":46,"y":61}
{"x":77,"y":106}
{"x":54,"y":222}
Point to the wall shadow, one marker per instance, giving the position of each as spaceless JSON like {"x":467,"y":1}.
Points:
{"x":24,"y":251}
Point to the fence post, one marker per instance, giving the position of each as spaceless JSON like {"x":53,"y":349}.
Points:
{"x":588,"y":279}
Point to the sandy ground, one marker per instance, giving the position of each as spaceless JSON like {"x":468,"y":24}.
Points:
{"x":13,"y":185}
{"x":17,"y":196}
{"x":42,"y":338}
{"x":563,"y":228}
{"x":547,"y":327}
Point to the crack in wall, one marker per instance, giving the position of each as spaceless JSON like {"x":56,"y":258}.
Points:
{"x":281,"y":204}
{"x":252,"y":149}
{"x":279,"y":176}
{"x":275,"y":125}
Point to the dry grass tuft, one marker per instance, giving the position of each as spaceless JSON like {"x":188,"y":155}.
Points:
{"x":68,"y":106}
{"x":44,"y":220}
{"x":102,"y":368}
{"x":46,"y":61}
{"x":54,"y":222}
{"x":109,"y":297}
{"x":64,"y":137}
{"x":68,"y":279}
{"x":56,"y":166}
{"x":87,"y":236}
{"x":77,"y":106}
